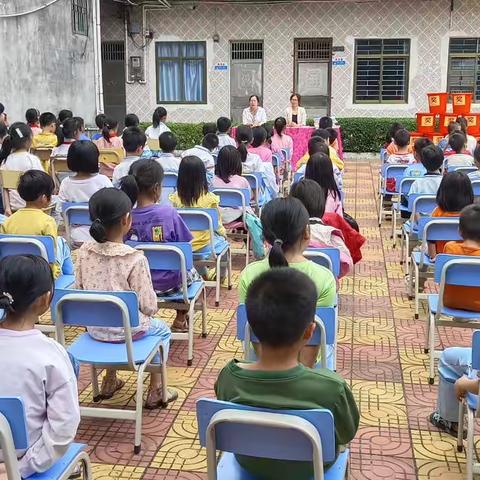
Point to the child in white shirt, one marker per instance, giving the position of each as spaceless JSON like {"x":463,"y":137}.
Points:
{"x":402,"y":141}
{"x":167,"y":159}
{"x":133,"y":142}
{"x":204,"y":151}
{"x":83,"y":159}
{"x":158,"y":124}
{"x":457,"y":143}
{"x":223,"y":132}
{"x":15,"y":156}
{"x":35,"y":367}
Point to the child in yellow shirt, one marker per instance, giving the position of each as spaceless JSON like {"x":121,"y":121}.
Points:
{"x":35,"y":188}
{"x":47,"y":138}
{"x":322,"y":133}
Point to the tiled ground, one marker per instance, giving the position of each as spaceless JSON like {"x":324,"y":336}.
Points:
{"x":380,"y":353}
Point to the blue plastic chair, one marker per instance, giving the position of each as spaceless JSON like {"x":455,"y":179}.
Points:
{"x":383,"y":155}
{"x":240,"y":199}
{"x":458,"y":270}
{"x":397,"y":207}
{"x":476,"y":188}
{"x":395,"y":171}
{"x":298,"y":176}
{"x":462,"y":168}
{"x":255,"y":180}
{"x":328,"y":257}
{"x":302,"y":435}
{"x":83,"y":308}
{"x":14,"y":436}
{"x":470,"y":403}
{"x":178,"y":257}
{"x":206,"y":219}
{"x":325,"y":334}
{"x":430,"y":229}
{"x":74,"y":214}
{"x":170,"y":180}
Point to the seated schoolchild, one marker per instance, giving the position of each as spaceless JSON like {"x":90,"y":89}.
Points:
{"x":47,"y":137}
{"x":224,"y":125}
{"x":323,"y":134}
{"x":389,"y":144}
{"x":167,"y":158}
{"x":204,"y":151}
{"x":82,"y":159}
{"x":99,"y":122}
{"x":259,"y":144}
{"x":312,"y":195}
{"x":109,"y":138}
{"x":459,"y":157}
{"x":476,"y":157}
{"x":81,"y":123}
{"x":158,"y":126}
{"x":453,"y":127}
{"x":133,"y":142}
{"x":417,"y":169}
{"x":107,"y":264}
{"x":403,"y":153}
{"x":35,"y":187}
{"x":333,"y":138}
{"x":31,"y":117}
{"x":280,"y":304}
{"x":280,"y":139}
{"x":68,"y":132}
{"x":131,"y":120}
{"x":471,"y":143}
{"x":35,"y":367}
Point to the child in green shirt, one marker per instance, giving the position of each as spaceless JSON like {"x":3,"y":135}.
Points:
{"x":280,"y":306}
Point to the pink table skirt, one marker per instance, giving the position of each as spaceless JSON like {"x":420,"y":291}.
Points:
{"x":300,"y":137}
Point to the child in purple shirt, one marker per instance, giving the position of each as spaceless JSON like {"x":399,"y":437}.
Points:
{"x":152,"y":222}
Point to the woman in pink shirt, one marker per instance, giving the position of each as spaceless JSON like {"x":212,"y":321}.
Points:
{"x":259,"y":144}
{"x":320,"y":168}
{"x":109,"y":138}
{"x":280,"y":139}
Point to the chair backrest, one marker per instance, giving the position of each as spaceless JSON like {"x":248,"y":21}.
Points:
{"x":328,"y":257}
{"x":13,"y":410}
{"x":476,"y":350}
{"x":277,"y":159}
{"x":59,"y":164}
{"x":395,"y":171}
{"x":199,"y":219}
{"x":111,"y":155}
{"x":153,"y":144}
{"x":421,"y":203}
{"x":298,"y":176}
{"x":43,"y":153}
{"x":405,"y":184}
{"x":170,"y":180}
{"x":459,"y":270}
{"x":76,"y":213}
{"x":249,"y":435}
{"x":9,"y":178}
{"x":42,"y":246}
{"x":434,"y":229}
{"x":255,"y":180}
{"x":383,"y":155}
{"x":462,"y":168}
{"x":233,"y":197}
{"x":476,"y":188}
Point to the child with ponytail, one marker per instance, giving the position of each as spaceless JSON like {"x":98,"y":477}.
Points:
{"x":68,"y":132}
{"x":280,"y":139}
{"x":109,"y":138}
{"x":107,"y":264}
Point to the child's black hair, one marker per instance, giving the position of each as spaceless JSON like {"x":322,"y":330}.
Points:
{"x":2,"y":108}
{"x":143,"y":176}
{"x":35,"y":183}
{"x":332,"y":135}
{"x":100,"y":120}
{"x":209,"y":128}
{"x":133,"y":138}
{"x":463,"y":122}
{"x":470,"y":223}
{"x":80,"y":122}
{"x":322,"y":133}
{"x":432,"y":158}
{"x":223,"y":124}
{"x":158,"y":114}
{"x":317,"y":145}
{"x":68,"y":129}
{"x":82,"y":157}
{"x":63,"y":115}
{"x":19,"y":136}
{"x":312,"y":195}
{"x":244,"y":138}
{"x":167,"y":142}
{"x":394,"y":127}
{"x":280,"y":305}
{"x":46,"y":119}
{"x":455,"y":192}
{"x":23,"y":279}
{"x":402,"y":138}
{"x":210,"y":141}
{"x":31,"y":115}
{"x":269,"y":130}
{"x":279,"y":125}
{"x":110,"y":124}
{"x":229,"y":163}
{"x":107,"y":207}
{"x":192,"y":180}
{"x":284,"y":221}
{"x":420,"y":144}
{"x":131,"y":120}
{"x":259,"y":136}
{"x":454,"y":127}
{"x":457,"y":142}
{"x":320,"y":168}
{"x":325,"y":122}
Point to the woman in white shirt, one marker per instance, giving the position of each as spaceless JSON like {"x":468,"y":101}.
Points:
{"x":254,"y":115}
{"x":15,"y":156}
{"x":158,"y":126}
{"x":295,"y":114}
{"x":83,"y":159}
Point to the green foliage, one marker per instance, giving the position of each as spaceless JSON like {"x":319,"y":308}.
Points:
{"x":359,"y":134}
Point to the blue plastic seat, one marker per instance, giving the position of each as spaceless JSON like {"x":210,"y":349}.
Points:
{"x":74,"y":214}
{"x":389,"y":171}
{"x":255,"y":180}
{"x":294,"y":435}
{"x":14,"y":436}
{"x":298,"y":176}
{"x":170,"y":180}
{"x":178,"y":257}
{"x":397,"y":207}
{"x":328,"y":257}
{"x":85,"y":308}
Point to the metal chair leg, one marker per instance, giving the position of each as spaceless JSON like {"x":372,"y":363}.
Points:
{"x":431,"y":346}
{"x":461,"y":420}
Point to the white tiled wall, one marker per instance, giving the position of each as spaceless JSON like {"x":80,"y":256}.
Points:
{"x":426,"y":22}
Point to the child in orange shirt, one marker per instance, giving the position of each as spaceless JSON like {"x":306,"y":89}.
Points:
{"x":454,"y":193}
{"x":465,"y":298}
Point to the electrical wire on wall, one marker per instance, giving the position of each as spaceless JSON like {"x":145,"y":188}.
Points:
{"x":28,"y":12}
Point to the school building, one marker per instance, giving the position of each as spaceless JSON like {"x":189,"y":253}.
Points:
{"x":202,"y":59}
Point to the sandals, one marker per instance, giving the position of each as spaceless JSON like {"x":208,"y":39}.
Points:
{"x":444,"y":425}
{"x":157,"y":401}
{"x":108,"y":389}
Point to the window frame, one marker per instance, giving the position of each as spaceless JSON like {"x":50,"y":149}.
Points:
{"x":381,"y":56}
{"x":181,"y":60}
{"x":80,"y":9}
{"x":476,"y":71}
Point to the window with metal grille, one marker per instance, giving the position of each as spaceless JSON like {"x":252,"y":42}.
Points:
{"x":313,"y":49}
{"x":247,"y":50}
{"x":464,"y":66}
{"x":381,"y":71}
{"x":181,"y":72}
{"x":113,"y":51}
{"x":80,"y":17}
